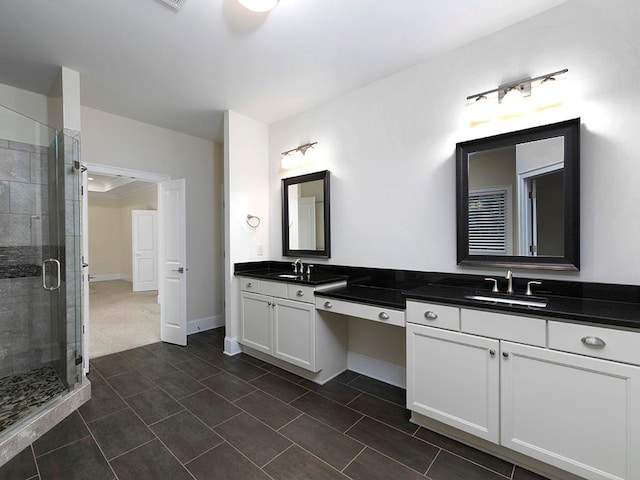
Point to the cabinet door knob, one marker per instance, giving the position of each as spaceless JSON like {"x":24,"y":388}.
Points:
{"x":383,"y":316}
{"x":492,"y":352}
{"x":300,"y":293}
{"x":593,"y":342}
{"x":249,"y":284}
{"x":505,"y":354}
{"x":327,"y":305}
{"x":430,"y":315}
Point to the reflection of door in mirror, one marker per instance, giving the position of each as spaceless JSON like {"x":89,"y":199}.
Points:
{"x":306,"y":215}
{"x":539,"y":168}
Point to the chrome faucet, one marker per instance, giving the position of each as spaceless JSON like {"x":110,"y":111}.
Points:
{"x":509,"y":277}
{"x":298,"y":267}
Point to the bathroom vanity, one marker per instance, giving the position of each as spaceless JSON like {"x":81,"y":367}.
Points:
{"x":553,"y":388}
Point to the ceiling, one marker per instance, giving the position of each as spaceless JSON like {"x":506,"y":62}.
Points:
{"x":116,"y":186}
{"x":181,"y":69}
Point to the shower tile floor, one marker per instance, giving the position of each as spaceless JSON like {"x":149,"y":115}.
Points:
{"x":182,"y":413}
{"x":21,"y":395}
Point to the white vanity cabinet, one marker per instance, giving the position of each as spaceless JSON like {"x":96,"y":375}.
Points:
{"x":577,"y":413}
{"x":279,"y":319}
{"x":453,"y":378}
{"x":564,"y":394}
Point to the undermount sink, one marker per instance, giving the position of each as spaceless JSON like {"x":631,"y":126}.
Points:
{"x":533,"y":302}
{"x":289,"y":275}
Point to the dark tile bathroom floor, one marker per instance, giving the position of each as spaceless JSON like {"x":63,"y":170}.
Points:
{"x":21,"y":395}
{"x":168,"y":412}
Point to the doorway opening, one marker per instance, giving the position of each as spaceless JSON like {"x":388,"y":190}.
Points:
{"x":166,"y":265}
{"x":124,"y":309}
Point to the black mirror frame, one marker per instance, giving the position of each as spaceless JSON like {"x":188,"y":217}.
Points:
{"x":570,"y":130}
{"x":310,"y":177}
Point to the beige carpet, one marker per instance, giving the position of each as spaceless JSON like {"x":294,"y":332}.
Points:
{"x":120,"y":319}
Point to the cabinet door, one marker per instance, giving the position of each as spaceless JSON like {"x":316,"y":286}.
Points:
{"x":256,"y":312}
{"x":294,"y":333}
{"x":578,"y":413}
{"x":454,"y":378}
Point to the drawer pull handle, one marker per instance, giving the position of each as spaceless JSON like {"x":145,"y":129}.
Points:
{"x":430,"y":315}
{"x":249,"y":284}
{"x":593,"y":341}
{"x":300,"y":293}
{"x":327,"y":305}
{"x":383,"y":316}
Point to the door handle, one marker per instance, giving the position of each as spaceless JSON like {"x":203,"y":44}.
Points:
{"x":44,"y":274}
{"x":179,"y":270}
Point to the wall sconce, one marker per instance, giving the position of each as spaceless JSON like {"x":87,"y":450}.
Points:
{"x":299,"y":156}
{"x":259,"y":6}
{"x":511,"y":97}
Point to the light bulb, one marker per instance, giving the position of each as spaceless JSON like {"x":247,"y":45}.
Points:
{"x":259,"y":6}
{"x":512,"y":104}
{"x":479,"y":111}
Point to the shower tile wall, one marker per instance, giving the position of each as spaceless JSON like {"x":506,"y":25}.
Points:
{"x":25,"y":327}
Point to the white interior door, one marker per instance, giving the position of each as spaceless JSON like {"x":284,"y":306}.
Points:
{"x":173,"y":284}
{"x":307,"y":223}
{"x":144,"y":248}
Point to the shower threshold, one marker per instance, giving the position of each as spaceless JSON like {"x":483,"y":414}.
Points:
{"x":36,"y":421}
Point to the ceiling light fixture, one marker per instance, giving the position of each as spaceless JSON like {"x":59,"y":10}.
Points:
{"x":259,"y":6}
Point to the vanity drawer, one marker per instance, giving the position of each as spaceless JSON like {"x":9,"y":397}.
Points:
{"x":275,"y":289}
{"x":249,"y":285}
{"x":391,"y":316}
{"x":606,"y":343}
{"x":433,"y":315}
{"x":515,"y":328}
{"x":301,"y":293}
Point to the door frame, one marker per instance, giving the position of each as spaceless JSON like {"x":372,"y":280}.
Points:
{"x":152,"y":177}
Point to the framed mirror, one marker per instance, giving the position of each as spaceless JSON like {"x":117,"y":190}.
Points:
{"x":306,"y":226}
{"x":518,"y":198}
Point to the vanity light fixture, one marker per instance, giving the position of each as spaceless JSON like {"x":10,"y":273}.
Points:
{"x":297,"y":157}
{"x":259,"y":6}
{"x":510,"y":96}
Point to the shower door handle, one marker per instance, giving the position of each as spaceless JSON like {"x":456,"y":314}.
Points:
{"x":44,"y":274}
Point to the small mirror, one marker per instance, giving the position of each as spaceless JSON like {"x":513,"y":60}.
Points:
{"x":518,"y":198}
{"x":305,"y":215}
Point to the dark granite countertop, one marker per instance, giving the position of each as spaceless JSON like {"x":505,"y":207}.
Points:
{"x":597,"y":303}
{"x":596,"y":311}
{"x":316,"y":278}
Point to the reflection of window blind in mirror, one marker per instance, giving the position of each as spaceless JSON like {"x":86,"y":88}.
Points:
{"x":490,"y":230}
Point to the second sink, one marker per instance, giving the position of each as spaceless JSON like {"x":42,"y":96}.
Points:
{"x":533,"y":302}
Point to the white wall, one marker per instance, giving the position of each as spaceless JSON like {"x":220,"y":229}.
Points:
{"x":112,"y":140}
{"x":19,"y":128}
{"x":246,"y":192}
{"x":105,"y":233}
{"x":390,"y":145}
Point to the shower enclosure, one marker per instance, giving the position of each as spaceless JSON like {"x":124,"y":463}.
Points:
{"x":40,"y":328}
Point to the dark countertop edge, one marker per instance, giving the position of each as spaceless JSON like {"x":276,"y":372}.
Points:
{"x":316,"y":279}
{"x":344,"y":294}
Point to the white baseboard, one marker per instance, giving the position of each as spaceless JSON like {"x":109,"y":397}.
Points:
{"x":128,"y":278}
{"x":202,"y":324}
{"x":378,"y":369}
{"x":231,"y":346}
{"x":106,"y":277}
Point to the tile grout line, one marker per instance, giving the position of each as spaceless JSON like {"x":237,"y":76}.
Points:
{"x":95,"y":441}
{"x":35,"y":462}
